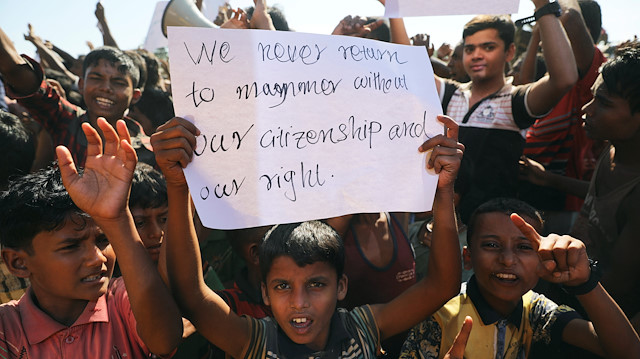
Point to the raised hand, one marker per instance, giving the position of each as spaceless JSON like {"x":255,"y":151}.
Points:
{"x":355,"y":26}
{"x":563,"y":259}
{"x":102,"y":190}
{"x":446,"y":153}
{"x":423,"y":40}
{"x":173,"y":144}
{"x":238,"y":20}
{"x":460,"y":343}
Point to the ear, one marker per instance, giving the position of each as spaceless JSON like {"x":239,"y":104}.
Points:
{"x":16,"y":261}
{"x":265,"y":296}
{"x":466,"y":258}
{"x":253,"y":254}
{"x":343,"y":284}
{"x":135,"y":96}
{"x":511,"y":52}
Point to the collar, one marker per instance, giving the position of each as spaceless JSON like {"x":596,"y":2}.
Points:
{"x":487,"y":314}
{"x":337,"y":335}
{"x":39,"y":326}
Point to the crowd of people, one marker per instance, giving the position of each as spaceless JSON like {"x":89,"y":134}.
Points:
{"x":529,"y":250}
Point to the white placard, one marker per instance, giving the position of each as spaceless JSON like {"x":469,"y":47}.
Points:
{"x":301,"y":126}
{"x":407,"y":8}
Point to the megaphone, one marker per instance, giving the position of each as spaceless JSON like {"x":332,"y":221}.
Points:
{"x":183,"y":13}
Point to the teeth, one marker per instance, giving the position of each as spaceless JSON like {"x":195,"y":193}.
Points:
{"x":506,"y":276}
{"x":92,"y":278}
{"x":299,"y":320}
{"x":104,"y":101}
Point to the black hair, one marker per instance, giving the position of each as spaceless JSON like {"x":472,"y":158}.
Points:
{"x":148,"y":187}
{"x":139,"y":61}
{"x":157,"y":105}
{"x":153,"y":69}
{"x":277,"y":17}
{"x":34,"y":203}
{"x":502,"y":23}
{"x":115,"y":57}
{"x":592,"y":16}
{"x":621,"y":75}
{"x":503,"y":205}
{"x":306,"y":243}
{"x":17,"y":146}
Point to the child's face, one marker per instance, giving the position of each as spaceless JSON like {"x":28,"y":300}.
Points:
{"x":609,"y":117}
{"x":70,"y":265}
{"x":303,"y":299}
{"x":107,"y":92}
{"x":485,"y":55}
{"x":504,"y":261}
{"x":151,"y":224}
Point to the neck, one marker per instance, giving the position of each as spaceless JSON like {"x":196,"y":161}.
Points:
{"x":484,"y":88}
{"x":63,"y":312}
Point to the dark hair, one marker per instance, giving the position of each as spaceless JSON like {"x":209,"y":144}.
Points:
{"x":17,"y":146}
{"x":505,"y":206}
{"x":37,"y":202}
{"x":592,"y":16}
{"x":239,"y":238}
{"x":148,"y":187}
{"x":501,"y":23}
{"x":306,"y":243}
{"x":153,"y":69}
{"x":621,"y":75}
{"x":115,"y":57}
{"x":157,"y":105}
{"x":139,"y":61}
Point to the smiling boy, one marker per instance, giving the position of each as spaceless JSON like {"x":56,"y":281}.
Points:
{"x":109,"y":85}
{"x":64,"y":239}
{"x":302,"y":267}
{"x":508,"y":257}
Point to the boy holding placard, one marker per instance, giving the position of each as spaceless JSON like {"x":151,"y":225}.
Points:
{"x":302,"y":268}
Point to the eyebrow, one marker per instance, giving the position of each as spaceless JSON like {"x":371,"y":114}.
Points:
{"x":482,"y":44}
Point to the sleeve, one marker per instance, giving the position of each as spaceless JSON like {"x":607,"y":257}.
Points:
{"x":521,"y":113}
{"x":548,"y":319}
{"x":257,"y":338}
{"x":366,"y":329}
{"x":423,"y":341}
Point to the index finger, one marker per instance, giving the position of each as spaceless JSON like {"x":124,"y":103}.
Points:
{"x":179,"y":121}
{"x":460,"y":343}
{"x":450,"y":125}
{"x":526,"y":229}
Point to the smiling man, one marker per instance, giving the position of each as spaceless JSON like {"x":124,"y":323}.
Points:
{"x":109,"y":85}
{"x":491,"y":111}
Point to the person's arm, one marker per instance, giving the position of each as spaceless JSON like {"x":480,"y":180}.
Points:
{"x":48,"y":55}
{"x":442,"y":281}
{"x":63,"y":54}
{"x":107,"y":38}
{"x":578,"y":33}
{"x":528,"y":67}
{"x":561,"y":66}
{"x":173,"y":144}
{"x":102,"y":191}
{"x":16,"y":71}
{"x":565,"y":262}
{"x":535,"y":173}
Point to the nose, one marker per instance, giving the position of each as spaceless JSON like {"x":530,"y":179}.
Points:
{"x":507,"y":257}
{"x":156,"y":230}
{"x":586,"y":109}
{"x":94,"y":256}
{"x":299,"y":298}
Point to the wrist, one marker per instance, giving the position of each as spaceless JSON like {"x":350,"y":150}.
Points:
{"x":590,"y":284}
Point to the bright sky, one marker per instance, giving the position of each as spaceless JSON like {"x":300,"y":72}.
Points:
{"x":70,"y":23}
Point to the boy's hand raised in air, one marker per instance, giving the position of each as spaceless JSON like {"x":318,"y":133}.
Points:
{"x":447,"y":153}
{"x":102,"y":190}
{"x":173,"y":144}
{"x":563,"y":259}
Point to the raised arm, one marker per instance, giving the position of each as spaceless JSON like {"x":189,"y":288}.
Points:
{"x":565,"y":261}
{"x":528,"y":66}
{"x":48,"y":55}
{"x":563,"y":74}
{"x":578,"y":33}
{"x":17,"y":72}
{"x":173,"y":144}
{"x":102,"y":191}
{"x":107,"y":38}
{"x":443,"y":276}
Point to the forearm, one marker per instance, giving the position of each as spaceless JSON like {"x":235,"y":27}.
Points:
{"x":528,"y":66}
{"x":398,"y":32}
{"x":559,"y":58}
{"x":151,"y":301}
{"x":65,"y":55}
{"x":16,"y":71}
{"x":107,"y":38}
{"x":578,"y":34}
{"x":444,"y":260}
{"x":617,"y":337}
{"x":569,"y":185}
{"x":53,"y":61}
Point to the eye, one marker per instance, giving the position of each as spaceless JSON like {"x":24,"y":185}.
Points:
{"x":469,"y":49}
{"x":70,"y":247}
{"x":139,"y":222}
{"x":489,"y":47}
{"x":163,"y":219}
{"x":102,"y":242}
{"x":525,"y":247}
{"x":281,"y":286}
{"x":490,"y":245}
{"x":316,"y":285}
